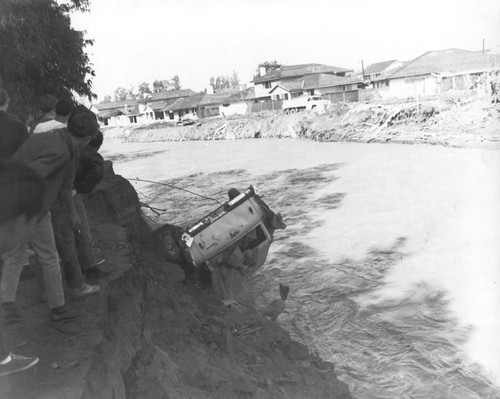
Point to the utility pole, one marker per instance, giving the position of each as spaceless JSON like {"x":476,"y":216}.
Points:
{"x":363,"y":70}
{"x":483,"y":45}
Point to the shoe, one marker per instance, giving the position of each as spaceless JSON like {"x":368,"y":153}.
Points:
{"x":11,"y":313}
{"x":86,"y":290}
{"x":14,"y":363}
{"x":61,"y":314}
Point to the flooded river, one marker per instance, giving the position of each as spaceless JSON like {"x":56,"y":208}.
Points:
{"x":391,"y":251}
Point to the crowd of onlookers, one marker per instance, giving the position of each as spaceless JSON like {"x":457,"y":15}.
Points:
{"x":44,"y":170}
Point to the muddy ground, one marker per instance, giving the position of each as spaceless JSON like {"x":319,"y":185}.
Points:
{"x":147,"y":335}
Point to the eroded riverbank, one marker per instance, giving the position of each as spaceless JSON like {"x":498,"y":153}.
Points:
{"x":454,"y":122}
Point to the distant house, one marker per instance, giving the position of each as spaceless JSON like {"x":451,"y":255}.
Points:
{"x":436,"y":72}
{"x":226,"y":103}
{"x":160,"y":102}
{"x":153,"y":107}
{"x":215,"y":104}
{"x":289,"y":75}
{"x":335,"y":88}
{"x":124,"y":113}
{"x":183,"y":106}
{"x":373,"y":71}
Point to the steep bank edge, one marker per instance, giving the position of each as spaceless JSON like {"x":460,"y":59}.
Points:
{"x":162,"y":339}
{"x":455,"y":122}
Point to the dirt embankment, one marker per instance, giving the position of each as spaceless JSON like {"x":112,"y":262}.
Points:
{"x":449,"y":121}
{"x":164,"y":339}
{"x":149,"y":336}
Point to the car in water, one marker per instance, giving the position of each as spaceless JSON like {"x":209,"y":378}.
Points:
{"x":237,"y":234}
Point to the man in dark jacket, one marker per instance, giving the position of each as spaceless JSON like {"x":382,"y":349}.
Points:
{"x":75,"y":248}
{"x":52,"y":155}
{"x":12,"y":131}
{"x":20,"y":202}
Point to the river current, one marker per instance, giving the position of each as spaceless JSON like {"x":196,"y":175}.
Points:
{"x":391,"y":251}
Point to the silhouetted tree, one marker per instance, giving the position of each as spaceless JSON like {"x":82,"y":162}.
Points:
{"x":40,"y":52}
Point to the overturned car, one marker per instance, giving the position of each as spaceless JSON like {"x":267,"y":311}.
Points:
{"x":230,"y":242}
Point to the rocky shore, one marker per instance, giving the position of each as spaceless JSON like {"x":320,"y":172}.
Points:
{"x":448,"y":121}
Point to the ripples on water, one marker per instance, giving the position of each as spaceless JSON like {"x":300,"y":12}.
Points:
{"x":382,"y":348}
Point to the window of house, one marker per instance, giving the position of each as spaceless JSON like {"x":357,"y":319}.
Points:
{"x":267,"y":85}
{"x":387,"y":83}
{"x":286,"y":96}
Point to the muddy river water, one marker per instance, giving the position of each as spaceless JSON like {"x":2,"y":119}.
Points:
{"x":392,"y":252}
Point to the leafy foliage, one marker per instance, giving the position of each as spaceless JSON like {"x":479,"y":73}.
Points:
{"x":269,"y":66}
{"x":144,"y":88}
{"x":41,"y":53}
{"x":176,"y":83}
{"x":121,"y":94}
{"x":224,"y":83}
{"x":167,"y":85}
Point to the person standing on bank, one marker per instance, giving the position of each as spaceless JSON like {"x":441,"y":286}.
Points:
{"x":52,"y":156}
{"x":21,"y":196}
{"x":70,"y":241}
{"x":63,"y":109}
{"x":47,"y":107}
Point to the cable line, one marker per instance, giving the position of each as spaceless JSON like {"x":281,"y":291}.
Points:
{"x":178,"y":188}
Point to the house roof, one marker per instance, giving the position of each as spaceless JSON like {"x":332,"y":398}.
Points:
{"x":448,"y":61}
{"x":108,"y":110}
{"x":185,"y":103}
{"x":165,"y":95}
{"x":316,"y":81}
{"x":248,"y":94}
{"x":290,"y":71}
{"x":290,"y":86}
{"x":223,"y":97}
{"x":109,"y":113}
{"x":325,"y":80}
{"x":115,"y":105}
{"x":378,"y":67}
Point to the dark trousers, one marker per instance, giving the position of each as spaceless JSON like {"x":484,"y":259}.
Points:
{"x":66,"y":244}
{"x":84,"y":239}
{"x":3,"y":350}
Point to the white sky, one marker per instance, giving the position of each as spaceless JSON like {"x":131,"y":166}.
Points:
{"x":144,"y":40}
